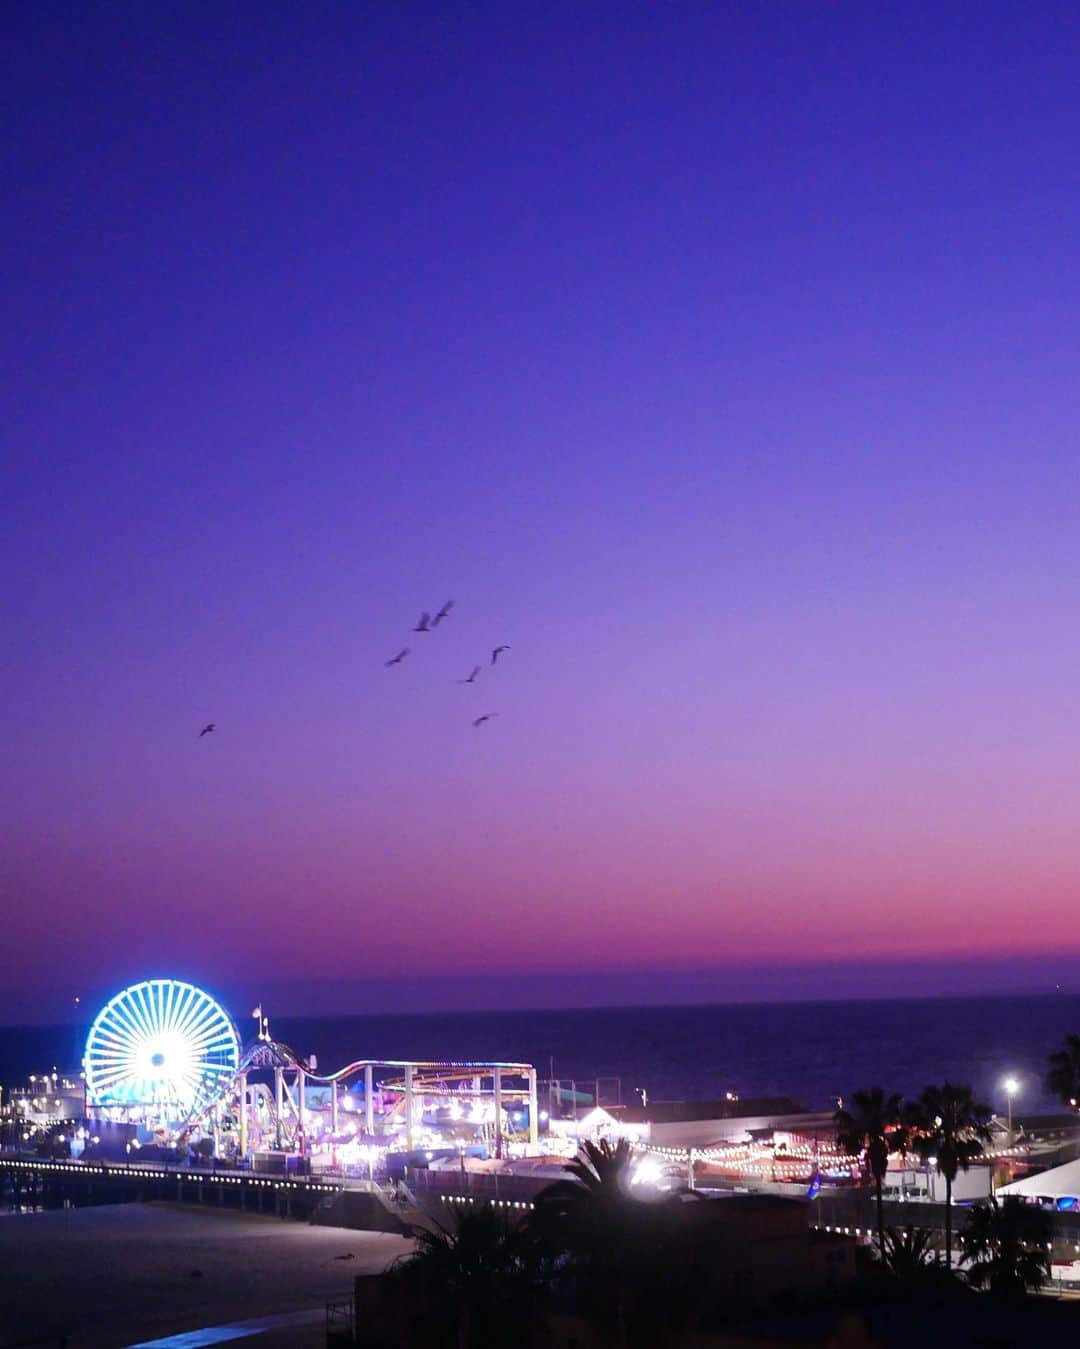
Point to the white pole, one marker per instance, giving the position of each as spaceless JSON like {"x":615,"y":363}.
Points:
{"x":534,"y":1122}
{"x":496,"y":1074}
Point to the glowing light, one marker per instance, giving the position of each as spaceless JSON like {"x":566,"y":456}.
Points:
{"x":162,"y":1043}
{"x":647,"y":1172}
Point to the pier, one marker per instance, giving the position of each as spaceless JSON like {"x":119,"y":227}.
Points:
{"x":36,"y":1183}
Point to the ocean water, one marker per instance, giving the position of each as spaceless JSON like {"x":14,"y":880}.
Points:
{"x":812,"y":1051}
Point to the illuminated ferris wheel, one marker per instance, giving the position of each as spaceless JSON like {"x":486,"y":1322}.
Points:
{"x":163,"y":1045}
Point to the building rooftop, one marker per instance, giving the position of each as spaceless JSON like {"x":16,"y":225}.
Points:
{"x":739,"y":1107}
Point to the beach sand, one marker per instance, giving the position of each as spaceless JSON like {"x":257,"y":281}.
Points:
{"x":113,"y":1276}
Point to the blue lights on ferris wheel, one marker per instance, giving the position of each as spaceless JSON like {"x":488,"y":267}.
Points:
{"x":162,"y":1044}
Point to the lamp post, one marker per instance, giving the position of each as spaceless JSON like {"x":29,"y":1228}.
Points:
{"x":1011,"y":1088}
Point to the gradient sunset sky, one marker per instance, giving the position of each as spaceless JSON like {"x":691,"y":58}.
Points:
{"x":721,"y":359}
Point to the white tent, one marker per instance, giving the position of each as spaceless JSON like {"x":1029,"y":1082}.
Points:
{"x":1061,"y":1182}
{"x":598,"y":1123}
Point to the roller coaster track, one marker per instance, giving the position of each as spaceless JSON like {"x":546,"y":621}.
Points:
{"x":430,"y":1077}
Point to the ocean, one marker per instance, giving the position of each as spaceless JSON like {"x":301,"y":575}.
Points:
{"x":812,"y":1051}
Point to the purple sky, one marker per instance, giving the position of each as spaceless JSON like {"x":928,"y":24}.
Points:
{"x":720,"y":359}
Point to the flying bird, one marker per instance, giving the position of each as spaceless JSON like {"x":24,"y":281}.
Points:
{"x":422,"y":626}
{"x":472,"y":678}
{"x":443,"y":612}
{"x":206,"y":730}
{"x":486,"y":717}
{"x":396,"y":660}
{"x":497,"y":653}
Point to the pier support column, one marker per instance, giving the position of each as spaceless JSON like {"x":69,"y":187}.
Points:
{"x":496,"y":1078}
{"x":301,"y":1078}
{"x":409,"y":1105}
{"x":534,"y":1122}
{"x":279,"y":1105}
{"x":333,"y":1109}
{"x":369,"y":1100}
{"x":242,"y":1080}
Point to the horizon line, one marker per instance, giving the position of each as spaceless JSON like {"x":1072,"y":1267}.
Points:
{"x":974,"y":995}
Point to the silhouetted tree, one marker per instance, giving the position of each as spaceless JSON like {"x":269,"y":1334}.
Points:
{"x":615,"y":1245}
{"x":873,"y":1129}
{"x":1007,"y":1247}
{"x":907,"y":1254}
{"x":949,"y":1130}
{"x":1063,"y":1079}
{"x":472,"y":1280}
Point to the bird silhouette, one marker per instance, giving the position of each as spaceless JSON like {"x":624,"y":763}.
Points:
{"x":497,"y":653}
{"x":472,"y":678}
{"x":443,"y":612}
{"x":396,"y":660}
{"x":486,"y":717}
{"x":206,"y":730}
{"x":422,"y":626}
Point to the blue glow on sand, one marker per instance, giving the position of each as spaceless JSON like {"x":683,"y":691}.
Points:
{"x":235,"y":1330}
{"x":193,"y":1339}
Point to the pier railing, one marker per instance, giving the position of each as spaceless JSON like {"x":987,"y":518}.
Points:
{"x":38,"y":1182}
{"x":30,"y":1182}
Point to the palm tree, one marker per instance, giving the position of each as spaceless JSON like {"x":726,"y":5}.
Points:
{"x":1063,"y":1079}
{"x":586,"y":1214}
{"x":601,"y":1168}
{"x":907,"y":1254}
{"x":1007,"y":1247}
{"x":614,"y":1245}
{"x":873,"y":1129}
{"x":949,"y":1129}
{"x":470,"y":1279}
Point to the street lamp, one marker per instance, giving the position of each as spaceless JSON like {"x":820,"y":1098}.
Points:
{"x":1011,"y":1088}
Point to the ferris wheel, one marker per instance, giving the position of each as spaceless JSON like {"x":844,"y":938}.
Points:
{"x":162,"y":1044}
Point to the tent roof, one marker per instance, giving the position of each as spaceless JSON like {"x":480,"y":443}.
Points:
{"x":1058,"y":1181}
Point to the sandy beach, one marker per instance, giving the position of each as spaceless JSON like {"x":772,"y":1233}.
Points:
{"x":108,"y":1277}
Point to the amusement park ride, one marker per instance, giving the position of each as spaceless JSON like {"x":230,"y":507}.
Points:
{"x":166,"y":1057}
